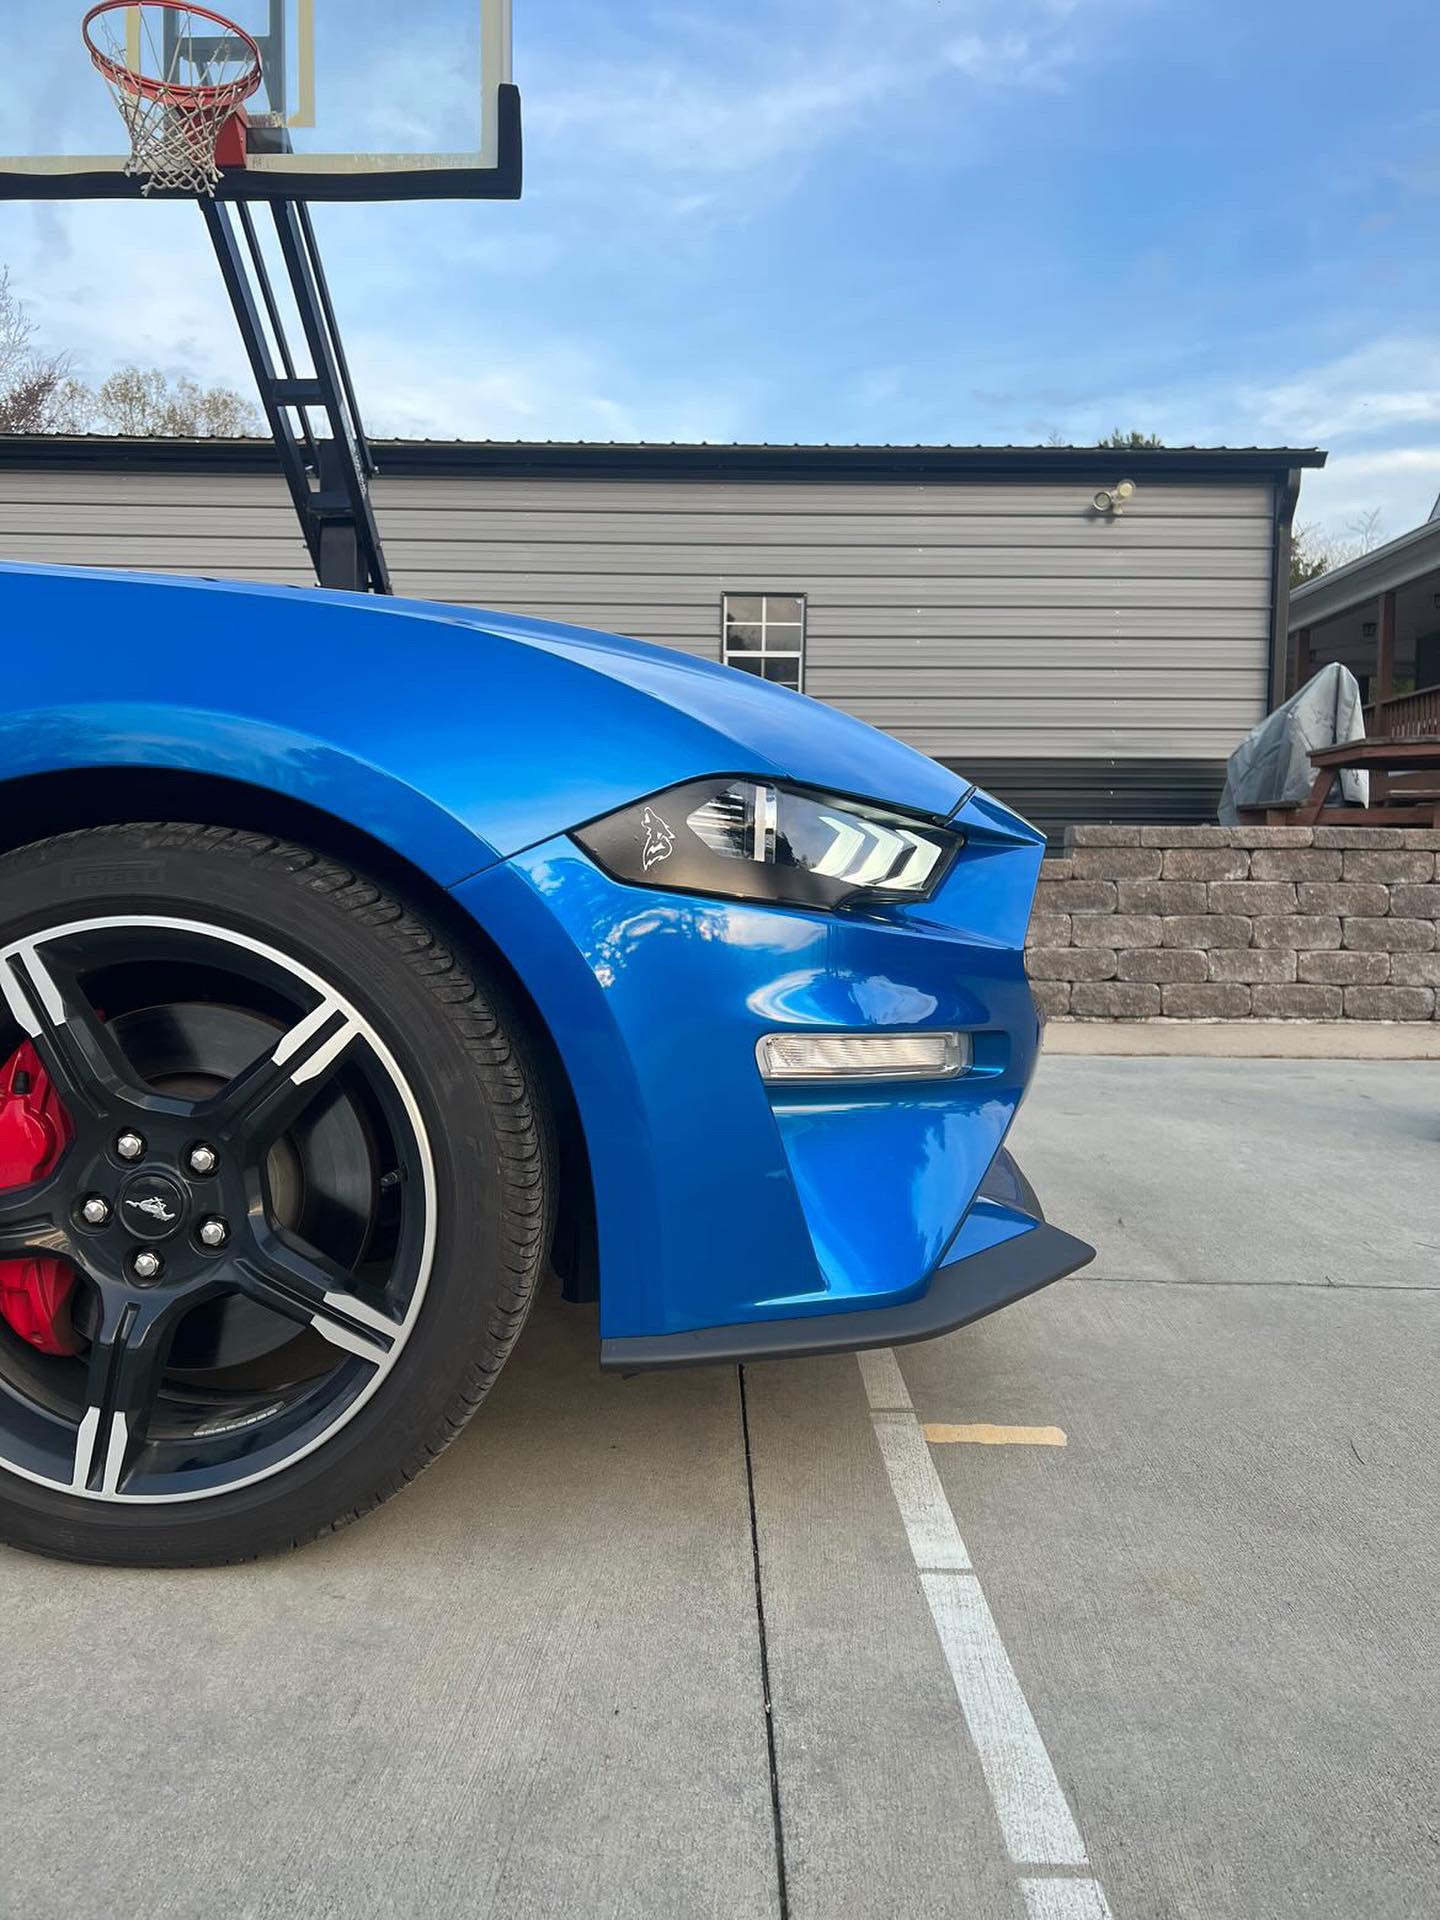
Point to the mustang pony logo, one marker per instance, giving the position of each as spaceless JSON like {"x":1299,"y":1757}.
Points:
{"x":154,"y":1206}
{"x":659,"y":840}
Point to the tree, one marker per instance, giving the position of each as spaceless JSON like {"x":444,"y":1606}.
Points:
{"x":143,"y":403}
{"x":1119,"y":438}
{"x":1308,"y":555}
{"x":39,"y":394}
{"x":33,"y":385}
{"x":1313,"y":552}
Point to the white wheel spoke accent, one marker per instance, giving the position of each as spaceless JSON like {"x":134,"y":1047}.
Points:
{"x":313,"y":1063}
{"x":29,"y":989}
{"x":351,"y":1338}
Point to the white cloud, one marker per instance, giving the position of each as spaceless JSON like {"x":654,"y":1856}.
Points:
{"x":1385,"y":384}
{"x":726,"y":104}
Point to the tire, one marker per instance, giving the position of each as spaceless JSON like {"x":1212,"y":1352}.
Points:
{"x":420,"y":1063}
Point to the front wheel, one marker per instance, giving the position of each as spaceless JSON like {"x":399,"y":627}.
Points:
{"x":274,"y":1194}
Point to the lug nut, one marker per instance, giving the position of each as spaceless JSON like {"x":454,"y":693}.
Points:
{"x":129,"y":1146}
{"x":147,"y":1265}
{"x":203,"y":1159}
{"x":95,"y":1211}
{"x":213,"y":1233}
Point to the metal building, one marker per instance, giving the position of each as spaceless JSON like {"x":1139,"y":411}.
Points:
{"x":1380,"y":615}
{"x":1086,"y":653}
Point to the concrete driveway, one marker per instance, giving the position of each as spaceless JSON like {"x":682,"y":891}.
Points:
{"x":1122,"y":1602}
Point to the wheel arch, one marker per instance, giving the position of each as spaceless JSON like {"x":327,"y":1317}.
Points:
{"x":35,"y":806}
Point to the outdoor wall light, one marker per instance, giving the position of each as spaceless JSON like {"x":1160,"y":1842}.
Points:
{"x":1112,"y":499}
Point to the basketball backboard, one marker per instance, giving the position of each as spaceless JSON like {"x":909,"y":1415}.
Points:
{"x":358,"y":99}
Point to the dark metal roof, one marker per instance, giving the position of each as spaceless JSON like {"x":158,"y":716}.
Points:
{"x":560,"y":458}
{"x":1407,"y":558}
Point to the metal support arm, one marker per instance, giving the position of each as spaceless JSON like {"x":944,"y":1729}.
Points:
{"x":329,"y":479}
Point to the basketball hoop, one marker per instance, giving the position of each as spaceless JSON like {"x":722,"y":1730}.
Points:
{"x":177,"y":89}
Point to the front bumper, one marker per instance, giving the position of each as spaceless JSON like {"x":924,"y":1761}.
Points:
{"x":729,"y":1208}
{"x":962,"y":1291}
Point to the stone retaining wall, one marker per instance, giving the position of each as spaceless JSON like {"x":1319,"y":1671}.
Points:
{"x":1239,"y":923}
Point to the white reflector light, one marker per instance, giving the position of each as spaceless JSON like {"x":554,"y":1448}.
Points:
{"x":863,"y":1056}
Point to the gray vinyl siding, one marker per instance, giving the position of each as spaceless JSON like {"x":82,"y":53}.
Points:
{"x":973,"y":618}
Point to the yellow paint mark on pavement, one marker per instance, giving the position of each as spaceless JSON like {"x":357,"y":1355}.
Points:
{"x":982,"y":1435}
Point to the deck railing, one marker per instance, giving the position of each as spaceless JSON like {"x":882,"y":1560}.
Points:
{"x":1405,"y":716}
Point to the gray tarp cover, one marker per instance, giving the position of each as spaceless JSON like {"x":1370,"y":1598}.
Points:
{"x":1270,"y":767}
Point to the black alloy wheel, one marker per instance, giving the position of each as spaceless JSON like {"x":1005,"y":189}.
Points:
{"x":291,"y":1206}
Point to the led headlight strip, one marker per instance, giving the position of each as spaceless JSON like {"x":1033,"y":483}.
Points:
{"x":762,"y":840}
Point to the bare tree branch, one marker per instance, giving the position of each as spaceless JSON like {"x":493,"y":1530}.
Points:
{"x":39,"y":393}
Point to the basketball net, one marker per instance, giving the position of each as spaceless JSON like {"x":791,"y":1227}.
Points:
{"x":172,"y":147}
{"x":174,"y":125}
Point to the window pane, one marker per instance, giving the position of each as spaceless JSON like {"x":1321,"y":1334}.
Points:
{"x":746,"y":662}
{"x":744,"y":606}
{"x":739,"y":636}
{"x":785,"y":671}
{"x":781,"y":606}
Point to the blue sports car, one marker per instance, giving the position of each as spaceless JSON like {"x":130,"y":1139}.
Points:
{"x":364,"y":960}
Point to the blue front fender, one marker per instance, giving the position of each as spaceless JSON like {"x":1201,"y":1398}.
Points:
{"x":720,"y":1200}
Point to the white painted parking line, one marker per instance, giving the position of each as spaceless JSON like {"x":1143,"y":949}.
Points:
{"x":1065,"y":1900}
{"x":1034,"y":1816}
{"x":930,"y":1525}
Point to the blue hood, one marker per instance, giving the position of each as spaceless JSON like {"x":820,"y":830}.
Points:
{"x":475,"y":735}
{"x":796,"y":736}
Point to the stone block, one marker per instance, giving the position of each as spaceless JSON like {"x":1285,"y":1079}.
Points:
{"x":1102,"y":837}
{"x":1426,"y":838}
{"x":1413,"y":969}
{"x":1205,"y":930}
{"x":1070,"y":963}
{"x":1416,"y":902}
{"x":1302,"y":932}
{"x":1052,"y":997}
{"x":1205,"y":863}
{"x":1389,"y":1003}
{"x":1297,"y":1003}
{"x":1346,"y":969}
{"x":1118,"y":863}
{"x":1048,"y":930}
{"x":1189,"y":836}
{"x":1116,"y":930}
{"x":1294,"y":863}
{"x":1344,"y":896}
{"x":1253,"y":966}
{"x":1055,"y":867}
{"x":1115,"y":1000}
{"x":1228,"y":1002}
{"x":1162,"y":896}
{"x":1391,"y":935}
{"x":1161,"y":965}
{"x":1410,"y":865}
{"x":1252,"y":896}
{"x":1076,"y":896}
{"x":1272,"y":836}
{"x":1375,"y":838}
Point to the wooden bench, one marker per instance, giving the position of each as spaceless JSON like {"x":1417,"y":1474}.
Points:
{"x":1390,"y":805}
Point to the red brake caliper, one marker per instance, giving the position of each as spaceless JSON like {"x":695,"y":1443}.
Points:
{"x":34,"y":1132}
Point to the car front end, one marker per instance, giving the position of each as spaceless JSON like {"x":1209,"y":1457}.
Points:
{"x":798,"y":1027}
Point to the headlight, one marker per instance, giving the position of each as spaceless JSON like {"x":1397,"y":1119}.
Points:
{"x":749,"y":840}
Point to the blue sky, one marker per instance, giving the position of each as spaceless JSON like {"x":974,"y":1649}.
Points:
{"x":891,"y":220}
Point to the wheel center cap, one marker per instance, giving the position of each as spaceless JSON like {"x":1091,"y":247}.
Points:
{"x":153,"y":1206}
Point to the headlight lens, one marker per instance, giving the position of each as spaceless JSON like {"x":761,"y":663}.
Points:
{"x":754,"y":840}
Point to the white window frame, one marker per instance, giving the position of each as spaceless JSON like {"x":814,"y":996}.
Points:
{"x":769,"y":649}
